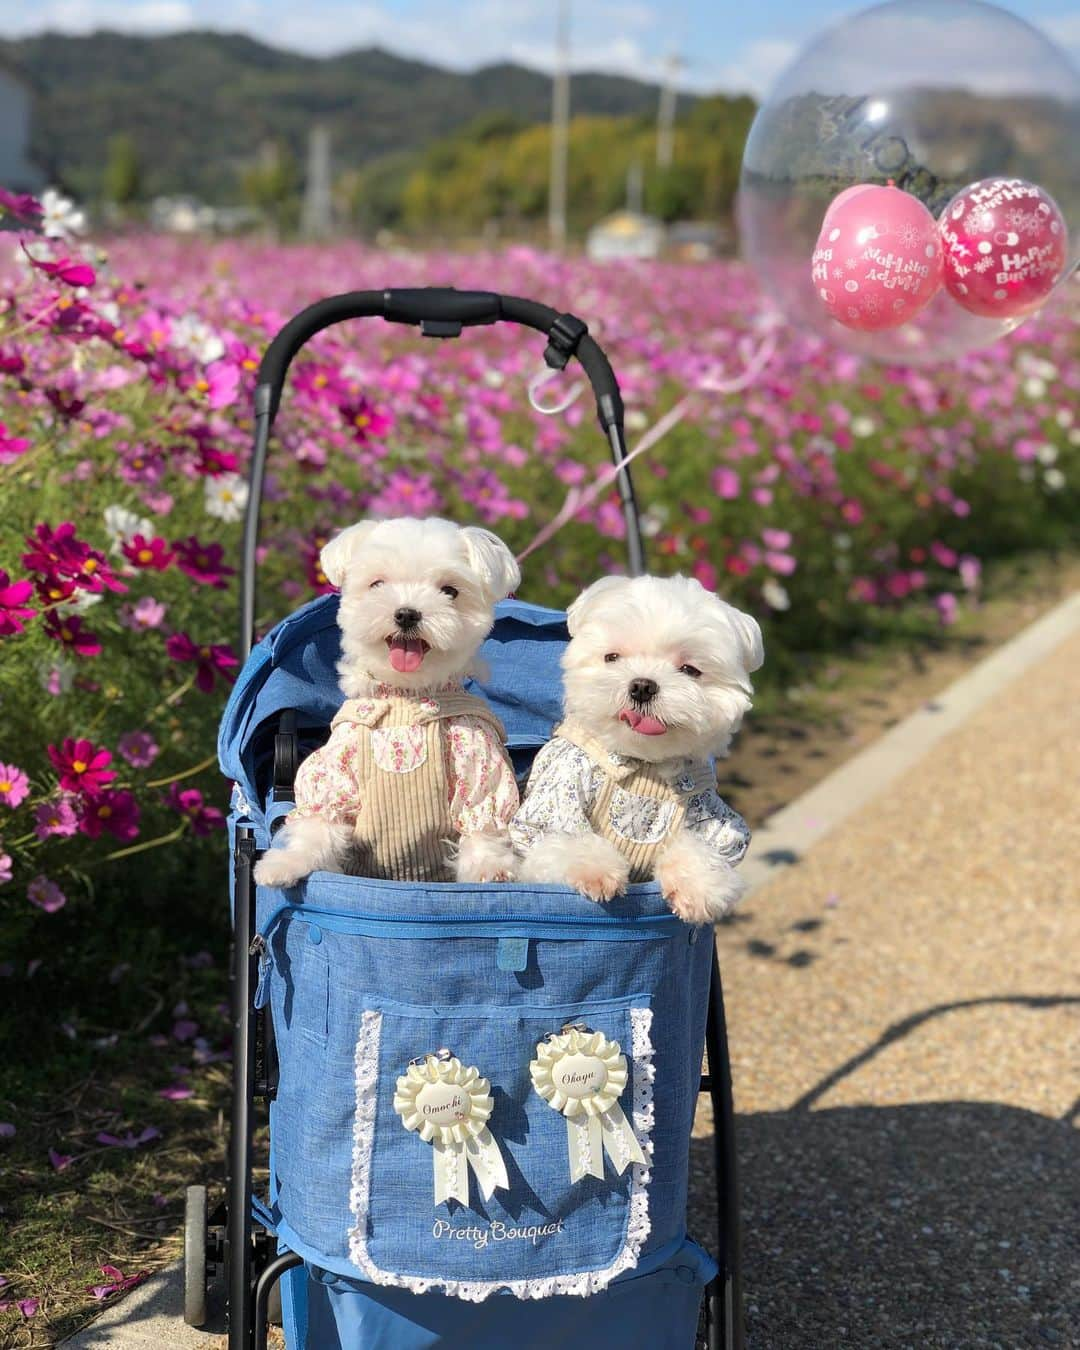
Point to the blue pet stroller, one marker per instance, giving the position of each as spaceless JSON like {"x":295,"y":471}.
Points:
{"x":367,"y":1012}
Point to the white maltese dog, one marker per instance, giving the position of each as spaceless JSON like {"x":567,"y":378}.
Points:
{"x":414,"y":783}
{"x":657,"y":679}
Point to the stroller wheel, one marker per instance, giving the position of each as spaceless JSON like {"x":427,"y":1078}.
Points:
{"x":195,"y":1256}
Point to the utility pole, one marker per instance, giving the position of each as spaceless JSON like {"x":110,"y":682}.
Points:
{"x":560,"y":124}
{"x":665,"y":114}
{"x":316,"y":217}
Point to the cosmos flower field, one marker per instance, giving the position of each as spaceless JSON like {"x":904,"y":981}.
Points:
{"x":834,"y":499}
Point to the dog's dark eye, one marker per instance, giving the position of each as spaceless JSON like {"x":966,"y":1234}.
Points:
{"x":612,"y":656}
{"x":374,"y":584}
{"x":692,"y":671}
{"x":451,"y":591}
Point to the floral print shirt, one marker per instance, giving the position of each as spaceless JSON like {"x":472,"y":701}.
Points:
{"x":563,"y":788}
{"x":482,"y":793}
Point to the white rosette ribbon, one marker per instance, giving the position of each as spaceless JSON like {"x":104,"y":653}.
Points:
{"x":448,"y":1105}
{"x":582,"y":1074}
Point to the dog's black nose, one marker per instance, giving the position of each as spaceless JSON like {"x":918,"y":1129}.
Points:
{"x":642,"y":691}
{"x":407,"y":618}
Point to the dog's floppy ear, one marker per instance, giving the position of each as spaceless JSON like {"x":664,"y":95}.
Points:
{"x":747,"y":635}
{"x":492,"y":561}
{"x":342,"y":549}
{"x":578,"y":611}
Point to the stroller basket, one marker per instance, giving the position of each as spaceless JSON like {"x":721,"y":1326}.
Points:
{"x":533,"y":1224}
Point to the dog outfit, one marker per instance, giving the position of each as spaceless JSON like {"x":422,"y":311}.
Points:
{"x":410,"y":773}
{"x":578,"y":787}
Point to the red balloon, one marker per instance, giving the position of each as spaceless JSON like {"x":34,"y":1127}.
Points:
{"x":878,"y":258}
{"x":1005,"y":244}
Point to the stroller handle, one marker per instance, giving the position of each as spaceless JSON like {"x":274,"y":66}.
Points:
{"x":439,"y":311}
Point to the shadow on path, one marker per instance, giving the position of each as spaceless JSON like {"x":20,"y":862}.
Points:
{"x":940,"y":1226}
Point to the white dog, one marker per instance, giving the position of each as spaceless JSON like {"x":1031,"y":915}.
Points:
{"x":656,"y":682}
{"x":414,"y":783}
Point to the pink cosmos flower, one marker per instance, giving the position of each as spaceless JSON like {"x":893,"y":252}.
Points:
{"x":14,"y":785}
{"x":46,"y":894}
{"x":55,"y":818}
{"x":60,"y":1161}
{"x":71,"y":631}
{"x":116,"y":1282}
{"x":70,"y":271}
{"x":6,"y":866}
{"x":946,"y":606}
{"x":129,"y":1140}
{"x":21,"y":205}
{"x":139,"y":748}
{"x":7,"y":1130}
{"x":177,"y":1092}
{"x":145,"y":613}
{"x":778,"y":539}
{"x":13,"y":607}
{"x":219,"y":384}
{"x":210,"y":661}
{"x":725,"y":483}
{"x":11,"y":447}
{"x":202,"y":562}
{"x":148,"y":553}
{"x":189,"y":802}
{"x":116,"y":812}
{"x":82,"y":767}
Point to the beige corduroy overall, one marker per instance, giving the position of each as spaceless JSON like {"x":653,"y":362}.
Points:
{"x":403,"y":826}
{"x":639,"y":806}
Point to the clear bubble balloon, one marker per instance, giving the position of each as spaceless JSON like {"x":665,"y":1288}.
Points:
{"x":934,"y":97}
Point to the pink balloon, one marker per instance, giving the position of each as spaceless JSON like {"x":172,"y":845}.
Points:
{"x":1005,"y":244}
{"x":878,"y":258}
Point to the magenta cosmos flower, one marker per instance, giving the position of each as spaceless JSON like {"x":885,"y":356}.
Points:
{"x":149,"y":553}
{"x":61,"y":553}
{"x":55,"y":818}
{"x":70,"y":631}
{"x":13,"y":607}
{"x":14,"y":785}
{"x":82,"y":766}
{"x":202,"y":562}
{"x":116,"y":812}
{"x":11,"y":447}
{"x":189,"y":803}
{"x":210,"y":661}
{"x":46,"y":894}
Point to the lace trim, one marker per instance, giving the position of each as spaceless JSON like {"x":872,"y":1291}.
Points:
{"x":475,"y":1291}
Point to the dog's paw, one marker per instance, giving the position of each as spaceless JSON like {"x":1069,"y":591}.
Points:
{"x":698,"y":887}
{"x":483,"y":859}
{"x":601,"y":880}
{"x":278,"y":868}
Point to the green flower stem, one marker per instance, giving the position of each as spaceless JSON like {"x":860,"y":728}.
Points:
{"x":184,"y":773}
{"x":162,"y":839}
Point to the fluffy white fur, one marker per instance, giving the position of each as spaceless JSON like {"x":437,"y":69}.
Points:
{"x":381,"y":566}
{"x":654,"y":628}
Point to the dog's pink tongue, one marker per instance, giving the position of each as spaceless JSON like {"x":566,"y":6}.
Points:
{"x":644,"y":726}
{"x":407,"y":654}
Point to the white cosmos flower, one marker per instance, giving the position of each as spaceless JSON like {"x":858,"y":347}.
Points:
{"x":1047,"y":454}
{"x":1054,"y":479}
{"x":636,"y":419}
{"x":494,"y":379}
{"x":226,"y":496}
{"x":122,"y":525}
{"x":1034,"y":386}
{"x":60,"y":217}
{"x":1064,"y":417}
{"x":863,"y":426}
{"x":190,"y":333}
{"x":79,"y":603}
{"x":58,"y":673}
{"x":774,"y":594}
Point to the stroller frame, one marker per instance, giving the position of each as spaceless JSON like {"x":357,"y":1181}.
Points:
{"x":235,"y":1238}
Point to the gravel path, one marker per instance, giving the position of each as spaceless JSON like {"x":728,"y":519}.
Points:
{"x":904,"y":1010}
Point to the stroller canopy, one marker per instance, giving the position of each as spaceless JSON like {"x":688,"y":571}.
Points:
{"x":295,"y":667}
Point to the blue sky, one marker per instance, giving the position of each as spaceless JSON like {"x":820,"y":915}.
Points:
{"x":728,"y":44}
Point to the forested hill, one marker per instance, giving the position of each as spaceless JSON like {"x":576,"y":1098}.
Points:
{"x":199,"y":105}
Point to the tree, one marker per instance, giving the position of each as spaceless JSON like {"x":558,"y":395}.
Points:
{"x":271,"y":183}
{"x":122,"y":179}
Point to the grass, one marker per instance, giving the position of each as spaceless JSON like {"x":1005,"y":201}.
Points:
{"x":96,"y":1031}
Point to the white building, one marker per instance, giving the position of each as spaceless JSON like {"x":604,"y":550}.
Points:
{"x":626,"y":234}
